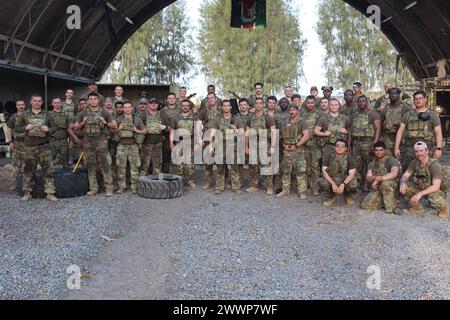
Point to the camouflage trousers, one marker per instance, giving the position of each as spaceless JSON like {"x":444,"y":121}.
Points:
{"x":97,"y":158}
{"x":350,"y":189}
{"x":166,"y":156}
{"x":34,"y":155}
{"x":234,"y":176}
{"x":313,"y":154}
{"x":151,"y":154}
{"x":186,"y":169}
{"x":389,"y":140}
{"x":60,"y":152}
{"x":437,"y":199}
{"x":294,"y":162}
{"x":361,"y":151}
{"x":17,"y":157}
{"x":112,"y":146}
{"x":127,"y":154}
{"x":407,"y":153}
{"x":383,"y":197}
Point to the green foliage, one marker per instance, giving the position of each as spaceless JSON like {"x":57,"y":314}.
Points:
{"x":159,"y":52}
{"x":235,"y":59}
{"x":354,"y":51}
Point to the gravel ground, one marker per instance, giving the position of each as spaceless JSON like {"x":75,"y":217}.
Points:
{"x":257,"y":247}
{"x":39,"y":240}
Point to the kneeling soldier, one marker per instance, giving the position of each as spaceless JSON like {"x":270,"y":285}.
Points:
{"x":382,"y":179}
{"x":339,"y":174}
{"x":129,"y":125}
{"x":428,"y":181}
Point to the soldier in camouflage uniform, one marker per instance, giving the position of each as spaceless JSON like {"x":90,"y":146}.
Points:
{"x":68,"y":106}
{"x":185,"y":120}
{"x":382,"y":177}
{"x":259,"y":121}
{"x":92,"y":88}
{"x":281,"y":116}
{"x":205,"y":102}
{"x":206,"y":117}
{"x":366,"y":131}
{"x":383,"y":101}
{"x":332,"y":127}
{"x":357,"y":88}
{"x":182,"y":95}
{"x":349,"y":108}
{"x":429,"y":181}
{"x":419,"y":124}
{"x":76,"y":145}
{"x":314,"y":91}
{"x":391,"y":117}
{"x":157,"y":124}
{"x":313,"y":151}
{"x":36,"y":150}
{"x":94,"y":123}
{"x":60,"y":130}
{"x":169,"y":112}
{"x":259,"y":93}
{"x":118,"y":96}
{"x":324,"y":105}
{"x":295,"y":136}
{"x":228,"y":126}
{"x":339,"y":174}
{"x":297,"y":101}
{"x":129,"y":126}
{"x":113,"y":142}
{"x":243,"y":116}
{"x":16,"y":124}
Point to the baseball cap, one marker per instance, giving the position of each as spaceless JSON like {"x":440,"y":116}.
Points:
{"x":357,"y":84}
{"x":143,"y":100}
{"x":154,"y":100}
{"x":292,"y":106}
{"x":314,"y":88}
{"x":327,"y":88}
{"x":420,"y":145}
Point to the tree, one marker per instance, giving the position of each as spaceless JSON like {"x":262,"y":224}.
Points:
{"x":235,"y":59}
{"x":159,"y":52}
{"x":354,"y":51}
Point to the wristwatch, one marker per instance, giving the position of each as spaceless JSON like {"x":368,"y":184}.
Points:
{"x":439,"y":148}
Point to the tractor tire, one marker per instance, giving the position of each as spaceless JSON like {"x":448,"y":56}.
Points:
{"x":67,"y":184}
{"x":168,"y":187}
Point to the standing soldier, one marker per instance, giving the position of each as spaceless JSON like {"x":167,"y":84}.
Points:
{"x":259,"y":121}
{"x":36,"y":150}
{"x":314,"y":91}
{"x":16,"y":124}
{"x":419,"y":124}
{"x":357,"y":88}
{"x":182,"y":95}
{"x":281,"y":116}
{"x":429,"y":181}
{"x":366,"y":131}
{"x":93,"y":123}
{"x":391,"y":116}
{"x":169,"y":113}
{"x":206,"y":117}
{"x":295,"y":135}
{"x":333,"y":126}
{"x":205,"y":102}
{"x":109,"y":106}
{"x":68,"y":105}
{"x":224,"y":124}
{"x":297,"y":101}
{"x":339,"y":174}
{"x":59,"y":124}
{"x":113,"y":142}
{"x":75,"y":146}
{"x":288,"y":93}
{"x":349,"y":108}
{"x":324,"y":104}
{"x":129,"y":126}
{"x":384,"y":100}
{"x":157,"y":123}
{"x":259,"y":93}
{"x":92,"y":88}
{"x":118,"y":96}
{"x":327,"y":91}
{"x":185,"y":120}
{"x":243,"y":116}
{"x":382,"y":177}
{"x":313,"y":152}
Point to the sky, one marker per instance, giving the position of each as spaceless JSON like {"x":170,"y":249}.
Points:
{"x":314,"y":74}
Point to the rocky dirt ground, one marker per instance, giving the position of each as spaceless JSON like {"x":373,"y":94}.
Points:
{"x":204,"y":246}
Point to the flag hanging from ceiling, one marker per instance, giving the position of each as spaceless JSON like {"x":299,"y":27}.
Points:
{"x":248,"y":14}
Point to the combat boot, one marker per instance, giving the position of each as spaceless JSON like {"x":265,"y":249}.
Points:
{"x":237,"y":191}
{"x":349,"y":201}
{"x":418,"y":208}
{"x":109,"y":193}
{"x":283,"y":194}
{"x":443,"y":212}
{"x":119,"y":191}
{"x":315,"y":193}
{"x":92,"y":193}
{"x":269,"y":192}
{"x":51,"y":197}
{"x":133,"y":190}
{"x":303,"y":196}
{"x":207,"y":184}
{"x":330,"y":201}
{"x":218,"y":191}
{"x":26,"y":196}
{"x":252,"y":190}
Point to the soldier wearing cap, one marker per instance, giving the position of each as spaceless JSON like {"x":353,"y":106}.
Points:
{"x":428,"y":181}
{"x":419,"y":124}
{"x":314,"y":91}
{"x":357,"y":88}
{"x":391,"y":117}
{"x":383,"y":101}
{"x":327,"y":91}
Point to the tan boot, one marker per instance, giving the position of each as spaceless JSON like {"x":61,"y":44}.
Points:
{"x":133,"y":190}
{"x":92,"y":193}
{"x":269,"y":192}
{"x":109,"y":193}
{"x":119,"y":191}
{"x":26,"y":196}
{"x":206,"y":185}
{"x":303,"y":196}
{"x":218,"y":191}
{"x":418,"y":208}
{"x":329,"y":202}
{"x":51,"y":197}
{"x":443,"y":212}
{"x":237,"y":191}
{"x":315,"y":193}
{"x":252,"y":190}
{"x":349,"y":201}
{"x":283,"y":194}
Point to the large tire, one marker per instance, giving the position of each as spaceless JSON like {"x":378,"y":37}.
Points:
{"x":170,"y":186}
{"x":67,"y":184}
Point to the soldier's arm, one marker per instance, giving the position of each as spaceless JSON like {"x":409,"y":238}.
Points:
{"x":398,"y":139}
{"x":403,"y":179}
{"x":304,"y":138}
{"x":377,"y":127}
{"x":369,"y":176}
{"x":327,"y":176}
{"x":438,"y":134}
{"x":392,"y":175}
{"x":350,"y":177}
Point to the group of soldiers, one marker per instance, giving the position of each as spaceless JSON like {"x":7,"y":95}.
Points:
{"x":387,"y":149}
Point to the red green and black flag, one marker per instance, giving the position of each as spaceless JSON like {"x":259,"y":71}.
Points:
{"x":248,"y":14}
